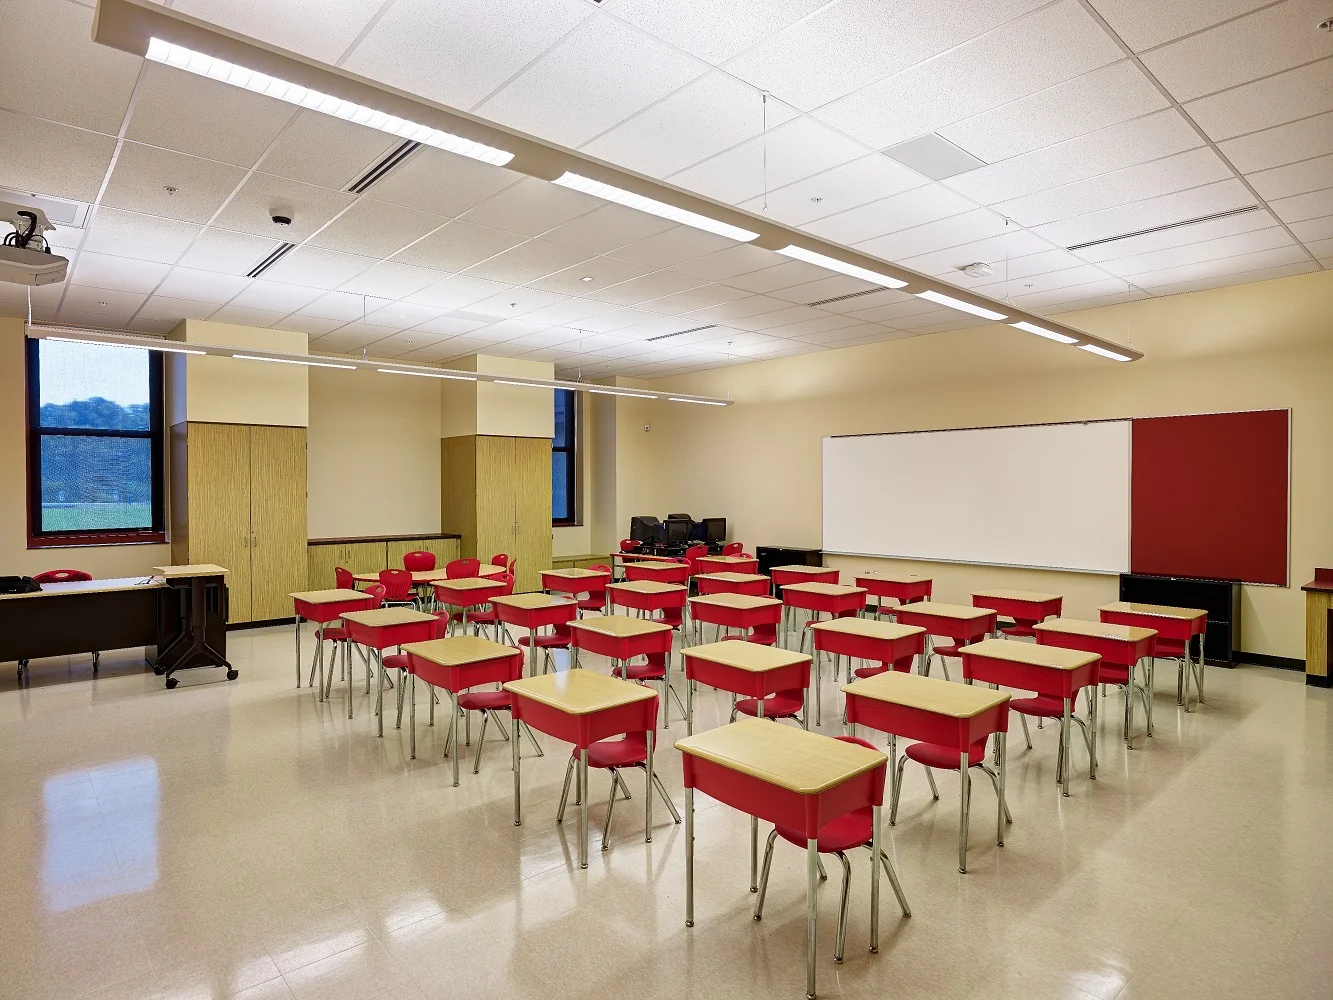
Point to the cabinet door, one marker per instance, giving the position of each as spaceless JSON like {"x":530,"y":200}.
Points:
{"x":458,"y":490}
{"x":320,"y":563}
{"x":277,"y":519}
{"x":367,"y":557}
{"x":530,"y":487}
{"x":444,"y":550}
{"x":496,"y":482}
{"x":218,"y":499}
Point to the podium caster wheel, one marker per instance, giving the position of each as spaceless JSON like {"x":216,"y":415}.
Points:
{"x":159,"y":671}
{"x":172,"y":682}
{"x":233,"y":674}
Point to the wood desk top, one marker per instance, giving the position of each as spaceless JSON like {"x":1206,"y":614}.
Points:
{"x":620,"y":626}
{"x":1156,"y":610}
{"x":659,"y":565}
{"x":804,"y":569}
{"x":330,"y":596}
{"x":826,"y":589}
{"x":749,"y":656}
{"x":89,"y":587}
{"x":460,"y":650}
{"x":531,"y":602}
{"x":575,"y":573}
{"x":741,"y":602}
{"x":731,"y":577}
{"x":468,"y":583}
{"x":1018,"y":595}
{"x":964,"y":612}
{"x":580,"y":692}
{"x":431,"y":575}
{"x":1096,"y":630}
{"x":790,"y":758}
{"x":729,"y":560}
{"x":1031,"y":653}
{"x":197,"y":569}
{"x":868,"y":627}
{"x":929,"y":694}
{"x":648,"y":587}
{"x":894,"y":577}
{"x":381,"y":617}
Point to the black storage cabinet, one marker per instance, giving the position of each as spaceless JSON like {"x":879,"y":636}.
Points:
{"x":775,"y":555}
{"x":1220,"y":598}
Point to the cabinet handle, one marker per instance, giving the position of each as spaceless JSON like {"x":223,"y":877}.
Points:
{"x":245,"y":541}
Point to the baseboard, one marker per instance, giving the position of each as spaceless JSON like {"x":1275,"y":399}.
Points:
{"x":1314,"y":680}
{"x":1265,"y":660}
{"x":238,"y":626}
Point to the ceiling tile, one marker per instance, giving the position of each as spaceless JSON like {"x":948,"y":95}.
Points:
{"x":1047,"y":281}
{"x":528,"y":262}
{"x":793,"y":272}
{"x":231,"y":253}
{"x":1001,"y":252}
{"x":694,"y":298}
{"x":864,"y":180}
{"x":1284,"y":144}
{"x":1239,"y":264}
{"x":1271,"y":238}
{"x":144,"y":236}
{"x":401,"y":315}
{"x":714,"y":30}
{"x":1323,"y":249}
{"x":521,"y":302}
{"x":731,"y":312}
{"x":51,"y":71}
{"x":1314,"y":229}
{"x":1221,"y":276}
{"x":1294,"y":178}
{"x":597,"y":76}
{"x":1192,"y":204}
{"x":449,"y":326}
{"x":617,"y":319}
{"x":565,"y":312}
{"x":607,"y":228}
{"x":739,"y":258}
{"x":829,"y":287}
{"x":392,"y":280}
{"x":200,"y":286}
{"x":1297,"y":93}
{"x":905,"y":307}
{"x":1112,"y":94}
{"x":1199,"y":232}
{"x":374,"y":229}
{"x":246,"y":316}
{"x":143,"y":174}
{"x":166,"y":309}
{"x":274,"y":296}
{"x":784,"y":316}
{"x":457,"y":291}
{"x":193,"y":114}
{"x":709,"y":115}
{"x":338,"y":306}
{"x":101,"y":303}
{"x":117,"y":273}
{"x":1145,"y":23}
{"x":1278,"y":37}
{"x":976,"y":76}
{"x":71,"y":165}
{"x":440,"y":183}
{"x":901,"y":211}
{"x":457,"y":246}
{"x":968,"y":227}
{"x":326,"y":151}
{"x":531,"y":207}
{"x":317,"y":268}
{"x":648,"y":286}
{"x":263,"y":195}
{"x":319,"y":29}
{"x":458,"y":53}
{"x":819,"y":324}
{"x":1313,"y":205}
{"x":673,"y":247}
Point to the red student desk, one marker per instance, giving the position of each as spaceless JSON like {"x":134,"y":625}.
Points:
{"x":742,"y":611}
{"x":421,"y":576}
{"x":574,"y":581}
{"x":581,"y":707}
{"x":456,"y":664}
{"x":628,"y":559}
{"x":534,"y":611}
{"x":1025,"y":607}
{"x":648,"y":595}
{"x":727,"y":564}
{"x":890,"y":645}
{"x":953,"y":621}
{"x":622,"y":638}
{"x":905,"y":588}
{"x":661,"y":571}
{"x":1179,"y":624}
{"x":378,"y":630}
{"x":1043,"y":670}
{"x":783,"y":575}
{"x":322,"y":607}
{"x":754,"y":584}
{"x":791,"y":778}
{"x":745,"y":669}
{"x":821,"y":598}
{"x":467,"y":593}
{"x":935,"y":711}
{"x":1118,"y":645}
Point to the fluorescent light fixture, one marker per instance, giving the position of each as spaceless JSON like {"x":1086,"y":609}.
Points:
{"x":133,"y":347}
{"x":525,"y":385}
{"x":631,"y":395}
{"x":1041,"y":331}
{"x":653,"y":207}
{"x":1104,"y":352}
{"x":701,"y":402}
{"x":170,"y":54}
{"x":948,"y":300}
{"x":842,"y":267}
{"x":293,"y":361}
{"x":399,"y":371}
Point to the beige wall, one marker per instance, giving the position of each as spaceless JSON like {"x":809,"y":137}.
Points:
{"x":228,"y":391}
{"x":500,"y":410}
{"x":15,"y":556}
{"x":1254,"y":346}
{"x":373,"y":460}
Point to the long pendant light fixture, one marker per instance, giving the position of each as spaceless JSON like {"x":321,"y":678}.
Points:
{"x":159,"y":34}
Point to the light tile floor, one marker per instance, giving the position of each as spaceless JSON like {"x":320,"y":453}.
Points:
{"x":242,"y":840}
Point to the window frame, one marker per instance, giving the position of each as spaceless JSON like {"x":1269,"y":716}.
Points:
{"x":573,"y":426}
{"x":154,"y":535}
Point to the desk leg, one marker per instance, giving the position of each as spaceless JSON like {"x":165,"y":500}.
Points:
{"x":1066,"y":750}
{"x":893,"y":776}
{"x":754,"y":823}
{"x":1199,"y":682}
{"x":457,"y":725}
{"x":689,"y":705}
{"x":1092,"y":729}
{"x":532,"y":652}
{"x":298,"y":650}
{"x":1129,"y":708}
{"x":411,"y":713}
{"x":648,"y":793}
{"x":319,"y":638}
{"x":379,"y":695}
{"x":926,"y":646}
{"x":876,"y":848}
{"x":1002,"y":740}
{"x":811,"y":913}
{"x":689,"y":856}
{"x":513,"y":747}
{"x":819,"y":698}
{"x":966,"y":785}
{"x":1150,"y":673}
{"x":583,"y":808}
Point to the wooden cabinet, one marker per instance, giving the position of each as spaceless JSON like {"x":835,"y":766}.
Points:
{"x":496,"y":493}
{"x":368,"y":555}
{"x":445,"y":550}
{"x":240,"y":502}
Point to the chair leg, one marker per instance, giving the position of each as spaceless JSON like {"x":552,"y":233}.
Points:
{"x":995,"y":782}
{"x":897,"y":790}
{"x":842,"y":908}
{"x":897,"y":886}
{"x":661,"y":790}
{"x":535,"y":745}
{"x":930,"y":777}
{"x":610,"y":808}
{"x":481,"y":741}
{"x":763,"y":876}
{"x":564,"y":795}
{"x":1027,"y":736}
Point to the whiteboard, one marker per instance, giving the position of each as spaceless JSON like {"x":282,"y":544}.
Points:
{"x":1052,"y":496}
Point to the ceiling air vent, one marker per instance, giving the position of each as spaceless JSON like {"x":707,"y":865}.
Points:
{"x":1169,"y":225}
{"x":850,"y":295}
{"x":377,"y":172}
{"x":681,"y":333}
{"x":279,"y":252}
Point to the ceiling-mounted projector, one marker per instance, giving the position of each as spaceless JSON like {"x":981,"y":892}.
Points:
{"x":25,"y":256}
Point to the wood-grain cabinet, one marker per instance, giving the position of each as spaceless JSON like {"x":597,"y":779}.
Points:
{"x":239,"y":500}
{"x":370,"y":555}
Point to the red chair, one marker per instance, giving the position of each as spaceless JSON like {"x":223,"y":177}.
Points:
{"x":764,"y":635}
{"x":398,"y":661}
{"x":487,"y":702}
{"x":339,"y":635}
{"x":733,"y":549}
{"x":655,"y":670}
{"x":500,"y":559}
{"x":692,"y":555}
{"x":462,"y":569}
{"x":780,"y":705}
{"x":63,"y":576}
{"x":844,"y":834}
{"x":596,"y":599}
{"x":488,"y":615}
{"x":343,"y":579}
{"x":630,"y":750}
{"x":630,"y":545}
{"x":932,"y":755}
{"x":398,"y":585}
{"x":902,"y":665}
{"x":422,"y":561}
{"x":560,"y":639}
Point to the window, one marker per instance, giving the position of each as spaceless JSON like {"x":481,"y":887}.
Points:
{"x":94,"y":444}
{"x":564,"y":459}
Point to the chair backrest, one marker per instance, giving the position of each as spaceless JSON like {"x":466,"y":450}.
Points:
{"x":376,"y":591}
{"x":460,"y":569}
{"x":629,"y":545}
{"x":860,"y":742}
{"x":499,"y":559}
{"x":419,"y":560}
{"x":513,"y":567}
{"x":343,"y":579}
{"x":733,"y":549}
{"x":397,"y":584}
{"x":692,"y":555}
{"x":62,"y":576}
{"x":508,"y":581}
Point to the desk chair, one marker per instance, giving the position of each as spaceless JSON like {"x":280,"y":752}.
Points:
{"x":560,"y":638}
{"x":419,"y":560}
{"x":631,"y":750}
{"x":733,"y":549}
{"x":398,"y":588}
{"x":596,"y":599}
{"x":489,"y":616}
{"x":339,"y":635}
{"x":461,"y":569}
{"x":64,"y":576}
{"x":655,"y":670}
{"x":343,"y":578}
{"x":931,"y":756}
{"x":500,"y":559}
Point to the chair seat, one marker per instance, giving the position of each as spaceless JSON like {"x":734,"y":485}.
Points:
{"x":1112,"y":673}
{"x":945,"y":758}
{"x":903,"y":666}
{"x":545,"y":641}
{"x":489,"y":617}
{"x":1044,"y":705}
{"x":952,"y":650}
{"x":848,"y":831}
{"x":396,"y":661}
{"x":639,"y":671}
{"x":484,"y":701}
{"x":760,"y":635}
{"x":334,"y":634}
{"x":782,"y":705}
{"x":593,"y":603}
{"x":1020,"y":629}
{"x":624,"y":752}
{"x":1168,"y":649}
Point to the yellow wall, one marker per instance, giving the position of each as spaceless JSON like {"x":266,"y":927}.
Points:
{"x":229,"y":391}
{"x":1254,"y":346}
{"x":498,"y":410}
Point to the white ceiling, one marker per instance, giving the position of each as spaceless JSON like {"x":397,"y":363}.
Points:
{"x":1095,"y":118}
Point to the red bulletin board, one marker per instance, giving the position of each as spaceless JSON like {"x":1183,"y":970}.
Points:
{"x":1209,"y":496}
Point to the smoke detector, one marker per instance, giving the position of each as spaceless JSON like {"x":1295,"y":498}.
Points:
{"x":980,"y":269}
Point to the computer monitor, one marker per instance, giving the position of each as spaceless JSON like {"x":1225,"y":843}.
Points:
{"x":677,"y":530}
{"x":645,"y":529}
{"x":715,"y":529}
{"x":679,"y":517}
